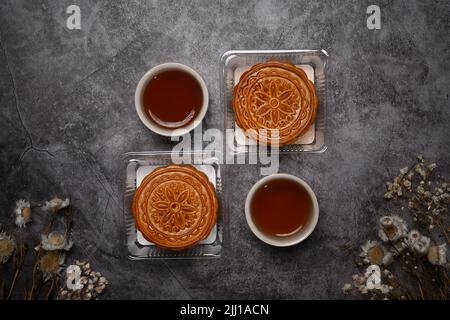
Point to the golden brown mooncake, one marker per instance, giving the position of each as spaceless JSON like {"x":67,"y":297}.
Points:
{"x":175,"y":207}
{"x":274,"y":102}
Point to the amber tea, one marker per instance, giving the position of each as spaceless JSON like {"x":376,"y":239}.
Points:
{"x":172,"y":99}
{"x":281,"y":207}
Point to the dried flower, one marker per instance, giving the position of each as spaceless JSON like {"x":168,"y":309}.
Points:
{"x":56,"y":204}
{"x":55,"y":241}
{"x":360,"y":283}
{"x":347,"y":288}
{"x":384,"y":288}
{"x":394,"y":189}
{"x":437,"y":255}
{"x":375,"y":253}
{"x":388,"y":274}
{"x":422,"y":245}
{"x":7,"y":247}
{"x":86,"y":284}
{"x":428,"y":197}
{"x":413,"y":236}
{"x":23,"y":213}
{"x":392,"y":228}
{"x":51,"y":263}
{"x":421,"y":171}
{"x":418,"y":243}
{"x":407,"y":184}
{"x":404,"y":171}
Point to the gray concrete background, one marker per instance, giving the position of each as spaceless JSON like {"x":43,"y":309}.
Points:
{"x":67,"y":115}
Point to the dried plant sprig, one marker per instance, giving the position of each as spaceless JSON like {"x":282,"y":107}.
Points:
{"x":419,"y":252}
{"x":82,"y":283}
{"x":49,"y":255}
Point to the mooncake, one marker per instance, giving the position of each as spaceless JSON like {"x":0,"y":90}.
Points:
{"x":274,"y":102}
{"x":175,"y":207}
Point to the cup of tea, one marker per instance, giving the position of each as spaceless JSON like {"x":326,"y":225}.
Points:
{"x":281,"y":210}
{"x":171,"y":99}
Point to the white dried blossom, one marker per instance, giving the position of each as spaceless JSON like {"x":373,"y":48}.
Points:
{"x":23,"y":213}
{"x":421,"y":171}
{"x":56,"y":204}
{"x":437,"y":255}
{"x":384,"y":288}
{"x":420,"y":190}
{"x":388,"y":274}
{"x":422,"y":245}
{"x":375,"y":253}
{"x":55,"y":241}
{"x":347,"y":288}
{"x":7,"y":247}
{"x":404,"y":170}
{"x":407,"y":184}
{"x":418,"y":243}
{"x":392,"y":228}
{"x":413,"y":236}
{"x":410,"y":175}
{"x":360,"y":283}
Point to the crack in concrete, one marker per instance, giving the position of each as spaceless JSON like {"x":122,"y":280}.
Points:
{"x":16,"y":104}
{"x":108,"y":254}
{"x":16,"y":100}
{"x":177,"y":280}
{"x":104,"y":66}
{"x":282,"y":36}
{"x":24,"y":152}
{"x":100,"y":177}
{"x":104,"y":214}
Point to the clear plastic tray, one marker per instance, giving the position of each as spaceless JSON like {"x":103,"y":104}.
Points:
{"x":137,"y":166}
{"x":234,"y":63}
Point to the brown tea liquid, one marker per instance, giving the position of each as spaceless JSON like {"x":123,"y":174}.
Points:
{"x":172,"y":99}
{"x":281,"y":207}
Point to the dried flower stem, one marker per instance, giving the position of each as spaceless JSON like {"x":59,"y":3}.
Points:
{"x":19,"y":259}
{"x":33,"y":278}
{"x":49,"y":226}
{"x":2,"y":286}
{"x":16,"y":274}
{"x":52,"y":285}
{"x":442,"y":294}
{"x":420,"y":289}
{"x":443,"y":231}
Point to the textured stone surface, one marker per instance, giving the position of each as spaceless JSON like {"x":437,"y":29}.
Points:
{"x":67,"y":115}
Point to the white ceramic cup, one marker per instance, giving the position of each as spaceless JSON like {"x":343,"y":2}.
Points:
{"x":152,"y":125}
{"x":296,"y":237}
